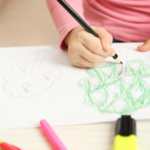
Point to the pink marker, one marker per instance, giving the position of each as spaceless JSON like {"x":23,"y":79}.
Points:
{"x":51,"y":136}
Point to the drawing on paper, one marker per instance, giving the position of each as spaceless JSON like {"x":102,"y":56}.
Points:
{"x":29,"y":79}
{"x":111,"y":88}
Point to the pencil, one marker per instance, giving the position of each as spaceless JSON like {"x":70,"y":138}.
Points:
{"x":72,"y":12}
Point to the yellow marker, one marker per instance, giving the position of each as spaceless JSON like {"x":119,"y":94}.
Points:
{"x":125,"y":138}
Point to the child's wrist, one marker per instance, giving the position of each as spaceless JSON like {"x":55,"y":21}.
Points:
{"x":67,"y":38}
{"x":71,"y":33}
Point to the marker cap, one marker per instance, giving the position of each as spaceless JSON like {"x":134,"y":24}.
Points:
{"x":6,"y":146}
{"x":125,"y":126}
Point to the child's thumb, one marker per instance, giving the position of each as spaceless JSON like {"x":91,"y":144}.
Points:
{"x":145,"y":47}
{"x":105,"y":38}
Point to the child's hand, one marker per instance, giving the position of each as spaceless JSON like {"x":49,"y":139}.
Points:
{"x":145,"y":47}
{"x":87,"y":51}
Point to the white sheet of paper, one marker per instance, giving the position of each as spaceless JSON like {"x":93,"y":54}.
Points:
{"x":40,"y":83}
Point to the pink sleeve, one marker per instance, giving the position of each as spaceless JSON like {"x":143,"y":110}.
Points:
{"x":63,"y":20}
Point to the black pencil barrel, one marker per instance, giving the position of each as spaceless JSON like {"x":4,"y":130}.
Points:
{"x":77,"y":17}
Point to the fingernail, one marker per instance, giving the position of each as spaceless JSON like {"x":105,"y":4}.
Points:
{"x":113,"y":54}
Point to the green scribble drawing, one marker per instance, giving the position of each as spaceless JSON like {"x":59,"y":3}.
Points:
{"x":111,"y":88}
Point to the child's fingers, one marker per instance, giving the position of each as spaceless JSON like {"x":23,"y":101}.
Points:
{"x":81,"y":57}
{"x":144,"y":47}
{"x":81,"y":65}
{"x":90,"y":56}
{"x":93,"y":43}
{"x":87,"y":63}
{"x":105,"y":37}
{"x":90,"y":41}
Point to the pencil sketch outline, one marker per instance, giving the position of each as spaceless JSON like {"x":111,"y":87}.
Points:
{"x":28,"y":70}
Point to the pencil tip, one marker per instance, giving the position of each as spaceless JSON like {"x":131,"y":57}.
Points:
{"x":121,"y":62}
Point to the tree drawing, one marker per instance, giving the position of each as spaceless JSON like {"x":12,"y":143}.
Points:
{"x":113,"y":88}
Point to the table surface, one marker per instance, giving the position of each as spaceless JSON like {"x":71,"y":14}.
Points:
{"x":28,"y":23}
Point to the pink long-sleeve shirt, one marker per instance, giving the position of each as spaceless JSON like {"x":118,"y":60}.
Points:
{"x":126,"y":20}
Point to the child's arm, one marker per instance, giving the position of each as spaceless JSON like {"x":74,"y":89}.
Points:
{"x":84,"y":49}
{"x":62,"y":19}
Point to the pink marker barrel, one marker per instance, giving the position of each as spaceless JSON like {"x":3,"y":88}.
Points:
{"x":51,"y":136}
